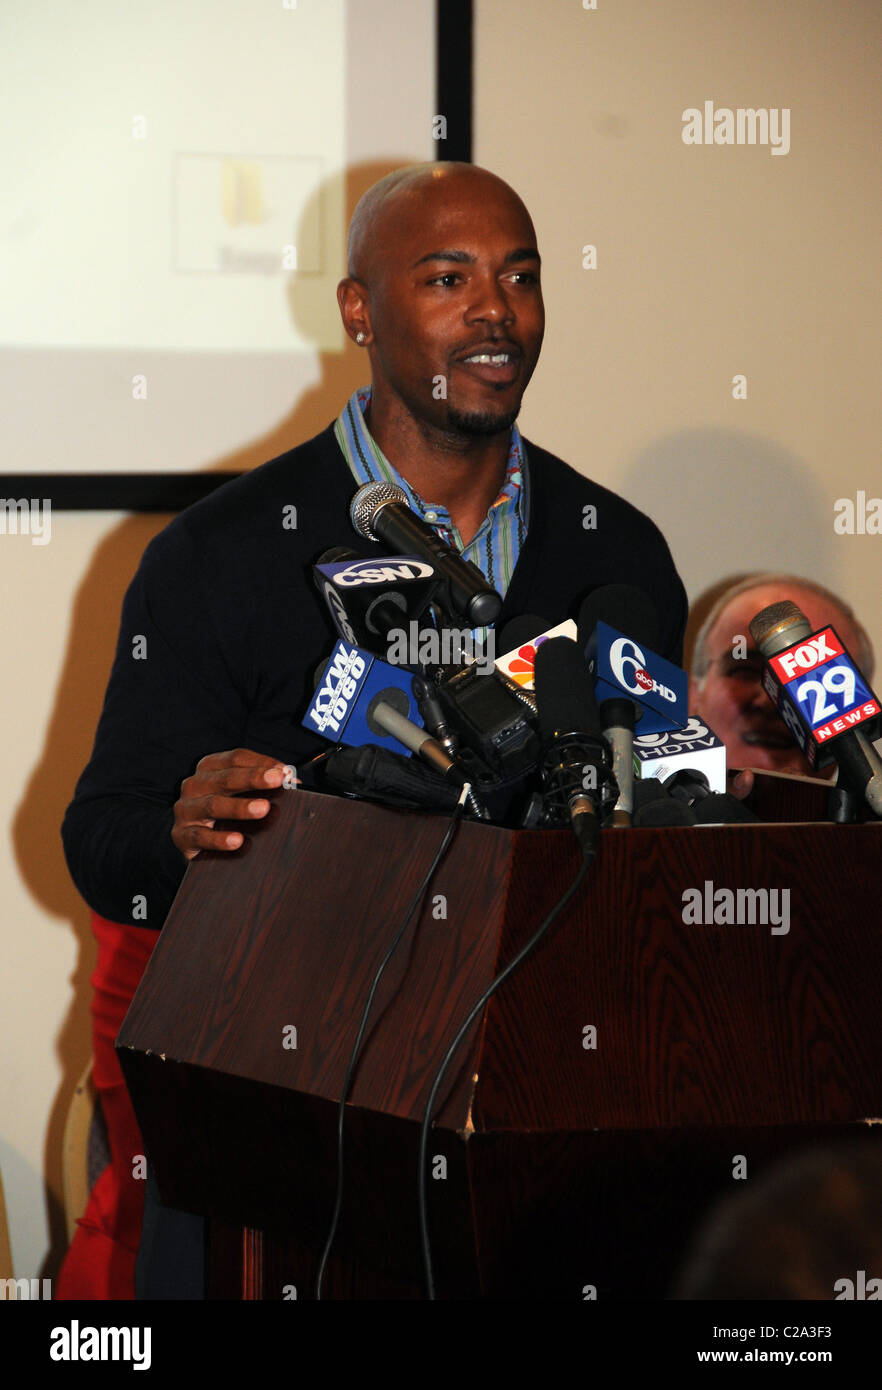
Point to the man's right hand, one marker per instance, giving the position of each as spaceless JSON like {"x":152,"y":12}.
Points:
{"x":209,"y":796}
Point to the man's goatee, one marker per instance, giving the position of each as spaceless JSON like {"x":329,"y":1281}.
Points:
{"x":480,"y":424}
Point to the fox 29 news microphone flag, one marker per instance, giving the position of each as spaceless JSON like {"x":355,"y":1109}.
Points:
{"x":813,"y":683}
{"x":822,"y":697}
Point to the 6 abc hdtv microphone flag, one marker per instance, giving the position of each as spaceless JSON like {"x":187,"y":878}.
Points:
{"x":666,"y":739}
{"x":620,"y":666}
{"x":820,"y":694}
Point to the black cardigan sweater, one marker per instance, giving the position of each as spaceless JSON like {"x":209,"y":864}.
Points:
{"x":222,"y":629}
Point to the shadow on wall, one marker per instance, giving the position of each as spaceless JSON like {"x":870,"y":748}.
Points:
{"x":86,"y":666}
{"x":701,"y":607}
{"x":730,"y":503}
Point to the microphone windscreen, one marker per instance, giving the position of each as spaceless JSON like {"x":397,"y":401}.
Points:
{"x":366,"y":502}
{"x":518,"y":631}
{"x":624,"y":607}
{"x":654,"y":806}
{"x":337,"y":552}
{"x":660,"y":814}
{"x":564,"y":689}
{"x":778,"y":626}
{"x":397,"y":701}
{"x":722,"y":809}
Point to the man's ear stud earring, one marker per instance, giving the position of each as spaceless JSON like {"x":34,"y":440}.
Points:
{"x":359,"y":338}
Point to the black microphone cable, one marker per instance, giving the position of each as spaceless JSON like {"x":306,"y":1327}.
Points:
{"x":588,"y":856}
{"x":455,"y":818}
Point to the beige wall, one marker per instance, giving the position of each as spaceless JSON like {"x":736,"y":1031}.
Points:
{"x":59,"y":609}
{"x":711,"y":261}
{"x":73,"y":411}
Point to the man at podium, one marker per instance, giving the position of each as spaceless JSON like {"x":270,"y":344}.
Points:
{"x":222,"y":628}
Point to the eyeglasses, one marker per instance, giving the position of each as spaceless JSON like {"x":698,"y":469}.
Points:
{"x":748,"y":668}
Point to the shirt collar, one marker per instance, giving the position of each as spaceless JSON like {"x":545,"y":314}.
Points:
{"x":368,"y":464}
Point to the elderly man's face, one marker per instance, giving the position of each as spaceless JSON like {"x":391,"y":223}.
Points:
{"x":456,"y":306}
{"x":731,"y":697}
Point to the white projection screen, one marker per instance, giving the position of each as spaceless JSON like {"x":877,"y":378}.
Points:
{"x":175,"y":181}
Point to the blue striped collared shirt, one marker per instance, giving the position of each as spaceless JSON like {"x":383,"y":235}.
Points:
{"x":496,"y":546}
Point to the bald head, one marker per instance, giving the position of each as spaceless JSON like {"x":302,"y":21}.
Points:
{"x":408,"y":192}
{"x":444,"y":294}
{"x":755,"y":590}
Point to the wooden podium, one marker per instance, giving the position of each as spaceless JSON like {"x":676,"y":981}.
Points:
{"x":572,"y":1159}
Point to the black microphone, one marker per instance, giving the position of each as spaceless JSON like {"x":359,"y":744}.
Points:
{"x":380,"y":775}
{"x":688,"y":786}
{"x":575,"y":764}
{"x":685,"y":798}
{"x":436,"y":757}
{"x":381,"y":512}
{"x":433,"y":714}
{"x":521,"y":630}
{"x":431,"y":752}
{"x":820,"y":693}
{"x":630,"y":611}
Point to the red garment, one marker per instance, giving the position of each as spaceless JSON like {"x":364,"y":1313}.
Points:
{"x":100,"y":1263}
